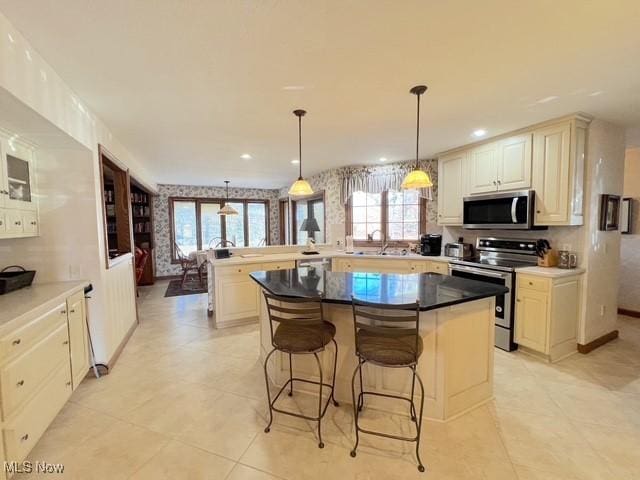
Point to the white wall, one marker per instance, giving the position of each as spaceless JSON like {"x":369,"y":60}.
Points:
{"x":629,"y":292}
{"x":63,"y":119}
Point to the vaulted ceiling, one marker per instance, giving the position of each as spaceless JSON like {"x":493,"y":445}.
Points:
{"x":190,"y":86}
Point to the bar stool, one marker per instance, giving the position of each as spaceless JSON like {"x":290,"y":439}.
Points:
{"x":387,"y":336}
{"x":301,"y":330}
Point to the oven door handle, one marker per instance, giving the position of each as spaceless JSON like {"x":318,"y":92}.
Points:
{"x":478,"y":271}
{"x":514,"y":204}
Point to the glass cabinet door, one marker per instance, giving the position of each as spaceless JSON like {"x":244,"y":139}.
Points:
{"x":19,"y":178}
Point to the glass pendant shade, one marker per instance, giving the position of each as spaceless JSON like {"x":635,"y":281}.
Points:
{"x":300,"y":187}
{"x":416,"y":179}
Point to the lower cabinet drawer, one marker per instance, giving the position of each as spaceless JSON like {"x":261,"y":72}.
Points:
{"x":279,"y":265}
{"x":22,"y":339}
{"x":23,"y":376}
{"x":22,"y":432}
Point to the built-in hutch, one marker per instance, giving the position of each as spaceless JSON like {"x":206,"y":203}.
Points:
{"x":18,"y":192}
{"x":548,"y":158}
{"x":142,"y":226}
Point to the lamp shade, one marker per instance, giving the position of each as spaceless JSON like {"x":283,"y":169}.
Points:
{"x":300,"y":188}
{"x":227,"y":210}
{"x":310,"y":225}
{"x":416,"y":179}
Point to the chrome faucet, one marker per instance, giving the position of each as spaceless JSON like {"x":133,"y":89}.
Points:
{"x":384,"y":246}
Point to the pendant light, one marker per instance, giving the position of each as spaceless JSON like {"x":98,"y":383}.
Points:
{"x":300,"y":187}
{"x":417,"y":178}
{"x":227,"y":209}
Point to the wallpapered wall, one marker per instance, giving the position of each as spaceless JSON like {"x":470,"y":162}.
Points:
{"x":161,"y":216}
{"x":330,"y":181}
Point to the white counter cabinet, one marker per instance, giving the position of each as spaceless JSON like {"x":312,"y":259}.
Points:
{"x":44,"y":356}
{"x":546,"y":315}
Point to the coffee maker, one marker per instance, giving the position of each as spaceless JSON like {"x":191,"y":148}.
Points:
{"x":431,"y":244}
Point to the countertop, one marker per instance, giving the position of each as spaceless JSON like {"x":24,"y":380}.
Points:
{"x":432,"y":290}
{"x":551,"y":272}
{"x":29,"y":301}
{"x":292,"y":256}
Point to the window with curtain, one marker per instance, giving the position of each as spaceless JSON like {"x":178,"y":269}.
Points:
{"x":394,"y":216}
{"x":196,"y":225}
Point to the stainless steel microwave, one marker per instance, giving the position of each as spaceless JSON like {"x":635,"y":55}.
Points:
{"x":508,"y":210}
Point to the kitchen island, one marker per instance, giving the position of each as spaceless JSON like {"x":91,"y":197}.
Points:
{"x":456,"y":326}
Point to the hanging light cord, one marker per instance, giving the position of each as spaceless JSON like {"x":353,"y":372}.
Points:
{"x":418,"y":133}
{"x":300,"y":146}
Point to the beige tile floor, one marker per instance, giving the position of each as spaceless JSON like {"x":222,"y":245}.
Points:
{"x":187,"y":402}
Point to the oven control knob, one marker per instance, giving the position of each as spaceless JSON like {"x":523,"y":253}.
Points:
{"x":522,"y":245}
{"x":499,"y":309}
{"x":531,"y":245}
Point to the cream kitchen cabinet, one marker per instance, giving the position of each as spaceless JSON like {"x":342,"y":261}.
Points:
{"x":43,"y":357}
{"x":558,"y":172}
{"x":482,"y":168}
{"x":237,"y":296}
{"x":379,"y":265}
{"x":500,"y":166}
{"x":18,"y":197}
{"x":78,"y":338}
{"x":429,"y":266}
{"x":450,"y":188}
{"x":546,"y":316}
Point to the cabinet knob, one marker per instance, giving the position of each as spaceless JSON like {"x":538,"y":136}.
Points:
{"x":530,"y":283}
{"x":24,"y":438}
{"x":517,"y":300}
{"x":66,"y":342}
{"x":16,"y":341}
{"x":33,"y":223}
{"x":18,"y":223}
{"x":239,"y":270}
{"x":538,"y":211}
{"x":68,"y":384}
{"x":73,"y":310}
{"x":20,"y":383}
{"x":63,"y":312}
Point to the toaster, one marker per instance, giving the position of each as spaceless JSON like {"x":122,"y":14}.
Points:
{"x":458,"y":250}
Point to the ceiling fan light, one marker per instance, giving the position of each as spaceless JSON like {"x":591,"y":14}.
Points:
{"x":300,"y":188}
{"x":416,"y":179}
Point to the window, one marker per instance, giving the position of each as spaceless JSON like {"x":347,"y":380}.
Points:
{"x":394,"y":216}
{"x":285,"y":229}
{"x":304,"y":208}
{"x":196,"y":225}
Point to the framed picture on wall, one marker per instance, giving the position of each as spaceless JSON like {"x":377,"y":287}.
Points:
{"x":609,"y":212}
{"x":625,"y":215}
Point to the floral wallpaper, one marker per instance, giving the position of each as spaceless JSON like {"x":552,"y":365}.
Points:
{"x":162,"y":230}
{"x":330,"y":181}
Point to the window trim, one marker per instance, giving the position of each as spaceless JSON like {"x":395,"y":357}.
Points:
{"x":223,"y":230}
{"x":384,"y":223}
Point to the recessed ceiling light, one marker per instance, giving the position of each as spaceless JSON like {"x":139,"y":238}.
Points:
{"x":481,"y":132}
{"x":383,"y":159}
{"x":11,"y":39}
{"x":596,"y":93}
{"x":293,"y":87}
{"x":246,"y":156}
{"x":295,"y":161}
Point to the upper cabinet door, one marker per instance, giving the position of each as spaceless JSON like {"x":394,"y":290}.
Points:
{"x":19,"y":191}
{"x":3,"y":174}
{"x":483,"y":166}
{"x":551,"y":167}
{"x":514,"y":163}
{"x":450,"y":189}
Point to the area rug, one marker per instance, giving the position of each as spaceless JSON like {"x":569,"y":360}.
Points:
{"x":191,"y":287}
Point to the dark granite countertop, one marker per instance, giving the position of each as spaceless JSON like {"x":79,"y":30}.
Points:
{"x":431,"y":289}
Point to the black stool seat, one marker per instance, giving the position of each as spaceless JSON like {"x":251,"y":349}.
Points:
{"x":303,"y":338}
{"x":388,"y":350}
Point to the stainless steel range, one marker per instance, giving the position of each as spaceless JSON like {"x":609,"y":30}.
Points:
{"x":496,"y":262}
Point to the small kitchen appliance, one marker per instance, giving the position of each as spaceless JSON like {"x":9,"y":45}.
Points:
{"x":459,"y":249}
{"x":431,"y":245}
